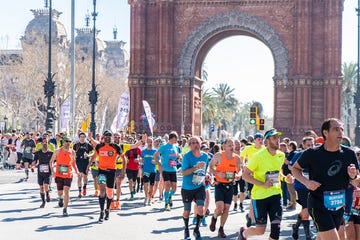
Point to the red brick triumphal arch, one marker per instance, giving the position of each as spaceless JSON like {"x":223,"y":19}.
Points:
{"x":170,"y":40}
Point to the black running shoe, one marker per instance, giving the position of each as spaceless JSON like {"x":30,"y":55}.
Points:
{"x":101,"y":218}
{"x":295,"y":232}
{"x":107,"y":214}
{"x":65,"y":213}
{"x":187,"y":234}
{"x":61,"y":202}
{"x":196,"y":234}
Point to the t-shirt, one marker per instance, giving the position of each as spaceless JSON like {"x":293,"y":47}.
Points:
{"x":169,"y":153}
{"x":148,"y":155}
{"x":266,"y":166}
{"x":132,"y":156}
{"x":44,"y":158}
{"x":107,"y":155}
{"x":328,"y":168}
{"x":197,"y":178}
{"x":298,"y":185}
{"x":39,"y":146}
{"x":80,"y":149}
{"x":29,"y":145}
{"x":249,"y":151}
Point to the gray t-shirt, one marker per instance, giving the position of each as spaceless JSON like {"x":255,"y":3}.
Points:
{"x":29,"y":145}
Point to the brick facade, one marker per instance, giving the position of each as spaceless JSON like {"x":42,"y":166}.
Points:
{"x":170,"y":39}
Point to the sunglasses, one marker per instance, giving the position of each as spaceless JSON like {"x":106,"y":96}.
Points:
{"x":194,"y":143}
{"x":68,"y":141}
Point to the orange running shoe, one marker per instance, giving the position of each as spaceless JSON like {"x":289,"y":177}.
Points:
{"x":117,"y":205}
{"x":112,"y":205}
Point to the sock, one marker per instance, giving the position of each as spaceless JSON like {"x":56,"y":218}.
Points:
{"x":101,"y":203}
{"x":166,"y":197}
{"x":221,"y":228}
{"x":84,"y":187}
{"x":306,"y":225}
{"x":186,"y":223}
{"x":108,"y":202}
{"x":27,"y":172}
{"x":42,"y":195}
{"x":47,"y":193}
{"x":298,"y":222}
{"x":199,"y":218}
{"x":241,"y":205}
{"x":171,"y":193}
{"x":79,"y":189}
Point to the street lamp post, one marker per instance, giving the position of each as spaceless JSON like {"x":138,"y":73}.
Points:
{"x":357,"y":95}
{"x":49,"y":86}
{"x":93,"y":94}
{"x":5,"y":123}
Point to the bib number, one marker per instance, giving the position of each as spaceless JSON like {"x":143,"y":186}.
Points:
{"x":229,"y":176}
{"x":334,"y":200}
{"x":273,"y":176}
{"x":44,"y":168}
{"x":63,"y":169}
{"x":101,"y":179}
{"x":172,"y":163}
{"x":306,"y":175}
{"x":198,"y":177}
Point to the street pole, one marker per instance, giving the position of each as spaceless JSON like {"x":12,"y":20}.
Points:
{"x":93,"y":94}
{"x":49,"y":86}
{"x":357,"y":95}
{"x":72,"y":78}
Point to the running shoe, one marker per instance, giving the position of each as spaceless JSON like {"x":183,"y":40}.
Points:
{"x":152,"y":200}
{"x":248,"y":220}
{"x":107,"y":214}
{"x":167,"y":207}
{"x":101,"y":218}
{"x":196,"y":234}
{"x":61,"y":202}
{"x":47,"y":197}
{"x":145,"y":201}
{"x":213,"y":224}
{"x":295,"y":232}
{"x":32,"y":169}
{"x":221,"y":233}
{"x":79,"y":196}
{"x":26,"y":179}
{"x":203,"y":221}
{"x":187,"y":234}
{"x":84,"y":192}
{"x":240,"y":236}
{"x":194,"y":221}
{"x":112,"y":205}
{"x":117,"y":205}
{"x":42,"y":205}
{"x":65,"y":213}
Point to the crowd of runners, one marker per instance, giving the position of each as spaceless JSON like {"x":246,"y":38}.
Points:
{"x":320,"y":173}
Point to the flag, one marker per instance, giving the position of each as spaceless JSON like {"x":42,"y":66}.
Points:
{"x":148,"y":115}
{"x":65,"y":114}
{"x":121,"y":119}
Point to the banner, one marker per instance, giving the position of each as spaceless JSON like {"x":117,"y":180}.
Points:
{"x":65,"y":114}
{"x":121,"y":119}
{"x":149,"y":117}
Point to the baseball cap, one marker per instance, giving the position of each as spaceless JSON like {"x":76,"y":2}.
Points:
{"x":107,"y":133}
{"x":272,"y":132}
{"x":258,"y":135}
{"x":204,"y":147}
{"x":66,"y":139}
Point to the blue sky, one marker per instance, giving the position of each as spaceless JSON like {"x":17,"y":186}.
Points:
{"x":242,"y":62}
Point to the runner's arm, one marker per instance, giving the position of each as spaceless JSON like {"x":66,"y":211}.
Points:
{"x":309,"y":184}
{"x":248,"y":177}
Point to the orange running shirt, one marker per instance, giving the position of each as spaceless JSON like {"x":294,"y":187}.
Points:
{"x":64,"y":161}
{"x":228,"y":167}
{"x":107,"y":155}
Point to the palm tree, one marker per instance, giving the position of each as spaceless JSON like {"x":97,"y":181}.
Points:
{"x":348,"y":91}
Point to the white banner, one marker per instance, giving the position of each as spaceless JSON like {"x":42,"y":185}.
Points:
{"x":148,"y":115}
{"x":65,"y":114}
{"x":122,"y":118}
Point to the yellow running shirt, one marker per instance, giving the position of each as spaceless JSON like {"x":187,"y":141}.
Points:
{"x":249,"y":151}
{"x":266,"y":166}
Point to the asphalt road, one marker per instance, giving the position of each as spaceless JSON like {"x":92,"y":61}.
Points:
{"x":21,"y":217}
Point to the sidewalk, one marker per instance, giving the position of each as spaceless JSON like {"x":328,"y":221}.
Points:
{"x":21,"y":217}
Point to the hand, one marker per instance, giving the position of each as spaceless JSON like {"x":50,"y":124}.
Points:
{"x":289,"y":179}
{"x":200,"y":165}
{"x":268,"y":183}
{"x":312,"y":185}
{"x":352,"y":171}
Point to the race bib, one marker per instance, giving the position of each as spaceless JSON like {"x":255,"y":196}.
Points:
{"x":44,"y":168}
{"x":229,"y":176}
{"x":356,"y":199}
{"x":63,"y":169}
{"x":101,"y":179}
{"x":334,"y":200}
{"x":273,"y":176}
{"x":27,"y":150}
{"x":172,"y":163}
{"x":198,"y":177}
